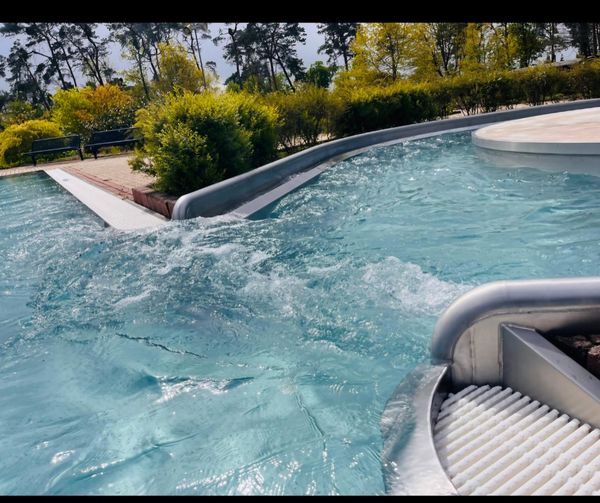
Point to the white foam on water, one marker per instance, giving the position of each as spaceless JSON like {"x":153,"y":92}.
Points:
{"x":132,"y":299}
{"x":59,"y":457}
{"x":405,"y":285}
{"x":276,"y":287}
{"x":171,"y":390}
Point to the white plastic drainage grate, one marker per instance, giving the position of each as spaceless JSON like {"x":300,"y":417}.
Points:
{"x":493,"y":440}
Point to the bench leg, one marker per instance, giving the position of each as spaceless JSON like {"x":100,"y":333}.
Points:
{"x":33,"y":157}
{"x":95,"y":154}
{"x":80,"y":154}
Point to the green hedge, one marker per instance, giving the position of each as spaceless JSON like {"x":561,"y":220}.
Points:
{"x":584,"y":80}
{"x":377,"y":108}
{"x":194,"y":140}
{"x":16,"y":140}
{"x":306,"y":114}
{"x":373,"y":108}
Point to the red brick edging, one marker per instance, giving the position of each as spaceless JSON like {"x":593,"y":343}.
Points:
{"x":156,"y":201}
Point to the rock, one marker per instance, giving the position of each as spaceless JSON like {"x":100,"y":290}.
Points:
{"x":576,"y":347}
{"x":593,"y":361}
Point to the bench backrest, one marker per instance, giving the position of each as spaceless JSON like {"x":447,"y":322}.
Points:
{"x":70,"y":141}
{"x":126,"y":133}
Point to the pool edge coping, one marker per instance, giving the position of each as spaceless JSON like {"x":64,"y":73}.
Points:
{"x":115,"y":212}
{"x":265,"y":184}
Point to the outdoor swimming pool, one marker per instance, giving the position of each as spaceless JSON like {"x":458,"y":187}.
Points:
{"x":217,"y":356}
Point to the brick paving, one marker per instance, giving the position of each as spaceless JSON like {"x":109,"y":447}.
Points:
{"x":111,"y":173}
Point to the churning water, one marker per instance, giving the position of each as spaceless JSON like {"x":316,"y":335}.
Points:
{"x":218,"y":356}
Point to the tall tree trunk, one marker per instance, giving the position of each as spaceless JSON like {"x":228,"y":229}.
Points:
{"x":284,"y":71}
{"x":55,"y":61}
{"x":41,"y":92}
{"x":236,"y":52}
{"x":147,"y":54}
{"x":273,"y":79}
{"x":193,"y":50}
{"x":141,"y":70}
{"x":200,"y":60}
{"x":95,"y":61}
{"x":70,"y":69}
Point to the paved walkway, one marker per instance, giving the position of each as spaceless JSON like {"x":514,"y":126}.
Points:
{"x":111,"y":173}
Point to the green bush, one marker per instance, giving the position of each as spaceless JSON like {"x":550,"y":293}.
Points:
{"x":584,"y":80}
{"x":476,"y":93}
{"x":539,"y":84}
{"x":261,"y":121}
{"x":90,"y":109}
{"x":18,"y":111}
{"x":369,"y":109}
{"x":16,"y":140}
{"x":194,"y":140}
{"x":305,"y":114}
{"x":372,"y":108}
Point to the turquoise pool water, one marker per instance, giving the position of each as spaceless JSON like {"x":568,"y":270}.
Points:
{"x":219,"y":356}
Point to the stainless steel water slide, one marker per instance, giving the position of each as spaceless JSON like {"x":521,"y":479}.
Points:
{"x":500,"y":409}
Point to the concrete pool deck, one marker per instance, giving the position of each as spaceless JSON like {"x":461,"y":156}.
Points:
{"x":564,"y":141}
{"x":118,"y":213}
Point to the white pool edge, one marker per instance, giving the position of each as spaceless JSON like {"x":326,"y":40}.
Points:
{"x":116,"y":212}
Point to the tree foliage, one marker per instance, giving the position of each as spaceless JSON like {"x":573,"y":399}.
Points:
{"x":90,"y":109}
{"x":319,"y":75}
{"x":338,"y":40}
{"x":261,"y":51}
{"x":586,"y":38}
{"x":529,"y":42}
{"x":178,"y":73}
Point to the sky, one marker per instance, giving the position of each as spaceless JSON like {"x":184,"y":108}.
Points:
{"x":210,"y":52}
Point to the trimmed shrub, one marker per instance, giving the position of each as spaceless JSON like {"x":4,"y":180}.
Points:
{"x":93,"y":109}
{"x":16,"y":140}
{"x":261,"y":121}
{"x":584,"y":80}
{"x":372,"y":108}
{"x":541,"y":83}
{"x":194,"y":140}
{"x":476,"y":93}
{"x":305,"y":115}
{"x":377,"y":108}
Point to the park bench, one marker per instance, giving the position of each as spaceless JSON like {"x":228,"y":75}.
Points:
{"x":58,"y":144}
{"x":112,"y":137}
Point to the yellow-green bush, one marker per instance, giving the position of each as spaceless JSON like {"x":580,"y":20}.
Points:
{"x":194,"y":140}
{"x":305,"y":114}
{"x":261,"y":121}
{"x":90,"y":109}
{"x":16,"y":140}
